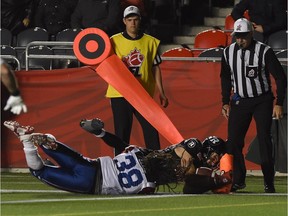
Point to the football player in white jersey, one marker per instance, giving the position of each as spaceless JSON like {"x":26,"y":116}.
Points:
{"x":135,"y":171}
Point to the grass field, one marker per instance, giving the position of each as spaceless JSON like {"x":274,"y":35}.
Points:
{"x":22,"y":194}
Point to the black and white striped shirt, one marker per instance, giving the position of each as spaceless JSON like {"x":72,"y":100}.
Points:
{"x":247,"y":72}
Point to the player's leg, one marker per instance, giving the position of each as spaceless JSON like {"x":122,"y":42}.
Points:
{"x":81,"y":179}
{"x":75,"y":173}
{"x":65,"y":156}
{"x":151,"y":135}
{"x":96,"y":127}
{"x":33,"y":159}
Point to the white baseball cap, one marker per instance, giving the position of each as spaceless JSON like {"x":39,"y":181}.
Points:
{"x":242,"y":25}
{"x":131,"y":10}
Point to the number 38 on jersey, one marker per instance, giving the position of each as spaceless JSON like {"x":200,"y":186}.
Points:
{"x":131,"y":174}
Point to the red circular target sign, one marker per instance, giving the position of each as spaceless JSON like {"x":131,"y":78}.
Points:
{"x":91,"y":46}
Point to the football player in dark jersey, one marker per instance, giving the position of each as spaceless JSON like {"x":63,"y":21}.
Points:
{"x":136,"y":170}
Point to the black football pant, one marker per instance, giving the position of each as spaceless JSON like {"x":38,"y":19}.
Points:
{"x":123,"y":119}
{"x":242,"y":111}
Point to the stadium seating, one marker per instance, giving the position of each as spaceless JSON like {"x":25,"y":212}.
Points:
{"x":8,"y":50}
{"x":178,"y":52}
{"x":229,"y":22}
{"x":210,"y":39}
{"x":282,"y":54}
{"x":212,"y":52}
{"x":67,"y":34}
{"x":229,"y":25}
{"x":246,"y":15}
{"x":42,"y":64}
{"x":9,"y":54}
{"x":278,"y":40}
{"x":6,"y":37}
{"x":27,"y":36}
{"x":32,"y":34}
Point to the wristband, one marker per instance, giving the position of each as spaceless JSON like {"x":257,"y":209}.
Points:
{"x":16,"y":93}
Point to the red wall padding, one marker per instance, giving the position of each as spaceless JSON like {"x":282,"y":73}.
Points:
{"x":57,"y":100}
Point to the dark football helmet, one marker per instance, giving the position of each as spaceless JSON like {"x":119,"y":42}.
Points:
{"x":213,"y":144}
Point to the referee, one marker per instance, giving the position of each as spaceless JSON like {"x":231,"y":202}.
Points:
{"x":245,"y":71}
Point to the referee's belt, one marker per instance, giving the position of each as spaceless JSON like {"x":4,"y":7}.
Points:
{"x":263,"y":94}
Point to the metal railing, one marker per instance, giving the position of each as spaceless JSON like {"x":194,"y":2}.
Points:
{"x":208,"y":59}
{"x":69,"y":45}
{"x":12,"y":57}
{"x":55,"y":45}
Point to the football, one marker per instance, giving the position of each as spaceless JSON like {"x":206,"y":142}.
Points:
{"x":205,"y":171}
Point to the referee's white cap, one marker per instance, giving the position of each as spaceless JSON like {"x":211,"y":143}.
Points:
{"x":131,"y":10}
{"x":241,"y":26}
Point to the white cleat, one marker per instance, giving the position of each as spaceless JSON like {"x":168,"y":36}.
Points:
{"x":18,"y":129}
{"x":48,"y":141}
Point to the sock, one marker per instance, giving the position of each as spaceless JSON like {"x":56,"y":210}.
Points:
{"x":33,"y":159}
{"x":25,"y":139}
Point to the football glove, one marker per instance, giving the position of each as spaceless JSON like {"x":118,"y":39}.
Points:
{"x":15,"y":104}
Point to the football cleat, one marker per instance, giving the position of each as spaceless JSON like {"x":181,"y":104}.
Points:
{"x":269,"y":188}
{"x":94,"y":126}
{"x":48,"y":141}
{"x":236,"y":187}
{"x":18,"y":129}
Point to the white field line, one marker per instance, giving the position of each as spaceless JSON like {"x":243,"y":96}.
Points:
{"x":117,"y":197}
{"x":31,"y":191}
{"x":22,"y":183}
{"x":41,"y":183}
{"x":168,"y":210}
{"x":26,"y":170}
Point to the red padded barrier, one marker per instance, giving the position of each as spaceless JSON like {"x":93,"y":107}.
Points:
{"x":57,"y":100}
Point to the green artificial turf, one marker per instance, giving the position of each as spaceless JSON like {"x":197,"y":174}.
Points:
{"x":22,"y":194}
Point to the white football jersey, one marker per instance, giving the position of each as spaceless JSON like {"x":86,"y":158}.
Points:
{"x":123,"y":174}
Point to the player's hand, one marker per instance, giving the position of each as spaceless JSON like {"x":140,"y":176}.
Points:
{"x":225,"y":110}
{"x":258,"y":28}
{"x":15,"y":104}
{"x":164,"y":101}
{"x":26,"y":22}
{"x":277,"y":112}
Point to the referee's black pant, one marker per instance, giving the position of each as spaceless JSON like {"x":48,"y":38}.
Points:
{"x":123,"y":118}
{"x":242,"y":111}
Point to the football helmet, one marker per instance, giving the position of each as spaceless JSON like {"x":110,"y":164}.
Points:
{"x":213,"y":144}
